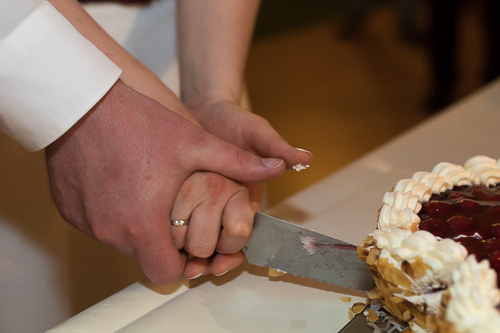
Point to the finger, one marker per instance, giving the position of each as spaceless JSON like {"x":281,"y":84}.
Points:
{"x":256,"y":191}
{"x":204,"y":228}
{"x":296,"y":158}
{"x":197,"y":267}
{"x":159,"y":259}
{"x":187,"y":199}
{"x":228,"y":160}
{"x":219,"y":264}
{"x":270,"y":144}
{"x":223,"y":263}
{"x":237,"y":222}
{"x":179,"y":234}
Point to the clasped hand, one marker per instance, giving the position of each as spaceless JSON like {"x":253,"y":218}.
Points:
{"x":130,"y":165}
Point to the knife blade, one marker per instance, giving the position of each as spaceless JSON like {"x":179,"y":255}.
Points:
{"x":357,"y":324}
{"x":299,"y":251}
{"x":385,"y":323}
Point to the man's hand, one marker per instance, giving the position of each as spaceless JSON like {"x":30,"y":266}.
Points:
{"x":116,"y":173}
{"x":228,"y":121}
{"x":221,"y":219}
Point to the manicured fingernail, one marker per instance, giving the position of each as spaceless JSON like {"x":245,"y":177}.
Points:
{"x":221,"y":273}
{"x":196,"y":276}
{"x":272,"y":162}
{"x":305,"y":151}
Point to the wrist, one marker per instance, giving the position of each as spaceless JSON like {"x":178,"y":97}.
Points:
{"x":199,"y":106}
{"x":84,"y":122}
{"x":197,"y":96}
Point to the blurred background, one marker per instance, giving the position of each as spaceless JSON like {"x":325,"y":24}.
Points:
{"x":339,"y":78}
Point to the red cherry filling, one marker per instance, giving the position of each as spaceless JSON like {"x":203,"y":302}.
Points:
{"x":492,"y":214}
{"x":495,"y":231}
{"x":479,"y":192}
{"x":460,"y":224}
{"x":492,"y":245}
{"x":493,"y":197}
{"x":434,"y":226}
{"x":438,"y":209}
{"x":471,"y":216}
{"x":457,"y":195}
{"x":468,"y":206}
{"x":495,"y":261}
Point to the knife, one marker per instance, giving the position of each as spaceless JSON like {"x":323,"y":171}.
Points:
{"x":299,"y":251}
{"x":385,"y":323}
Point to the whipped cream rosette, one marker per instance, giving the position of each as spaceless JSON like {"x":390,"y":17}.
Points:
{"x":431,"y":232}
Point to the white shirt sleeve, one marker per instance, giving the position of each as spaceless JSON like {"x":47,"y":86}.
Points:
{"x":50,"y":75}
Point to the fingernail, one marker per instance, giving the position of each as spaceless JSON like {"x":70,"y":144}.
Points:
{"x":221,"y":273}
{"x":305,"y":151}
{"x":272,"y":162}
{"x":196,"y":276}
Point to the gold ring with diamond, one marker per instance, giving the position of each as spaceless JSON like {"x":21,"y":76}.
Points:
{"x":179,"y":222}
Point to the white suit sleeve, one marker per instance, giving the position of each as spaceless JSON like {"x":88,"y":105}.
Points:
{"x":50,"y":75}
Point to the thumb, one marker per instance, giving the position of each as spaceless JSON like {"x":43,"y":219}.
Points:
{"x":267,"y":142}
{"x":232,"y":162}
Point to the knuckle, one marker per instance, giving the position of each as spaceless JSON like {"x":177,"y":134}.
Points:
{"x":117,"y":234}
{"x":133,"y":232}
{"x":101,"y":233}
{"x":72,"y":211}
{"x":75,"y":219}
{"x":215,"y":185}
{"x":189,"y":185}
{"x":243,"y":157}
{"x":240,"y":229}
{"x":262,"y":121}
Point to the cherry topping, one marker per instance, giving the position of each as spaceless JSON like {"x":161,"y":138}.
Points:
{"x":435,"y":226}
{"x":457,"y":195}
{"x":485,"y":233}
{"x":493,"y":197}
{"x":492,"y":245}
{"x":495,"y":260}
{"x":469,"y":206}
{"x":470,"y":242}
{"x":460,"y":223}
{"x":478,"y":254}
{"x":470,"y":233}
{"x":478,"y":191}
{"x":473,"y":246}
{"x":438,"y":209}
{"x":493,"y":214}
{"x":495,"y":231}
{"x":472,"y":215}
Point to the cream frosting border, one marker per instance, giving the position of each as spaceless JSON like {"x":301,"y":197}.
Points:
{"x":448,"y":260}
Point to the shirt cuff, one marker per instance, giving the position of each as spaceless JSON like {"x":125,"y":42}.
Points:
{"x":50,"y":76}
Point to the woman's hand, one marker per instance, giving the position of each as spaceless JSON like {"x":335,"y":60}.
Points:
{"x":221,"y":219}
{"x":230,"y":122}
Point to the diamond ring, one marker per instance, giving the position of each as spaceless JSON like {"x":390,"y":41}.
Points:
{"x":179,"y":222}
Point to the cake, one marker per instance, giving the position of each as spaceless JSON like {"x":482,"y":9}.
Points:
{"x":435,"y":254}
